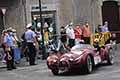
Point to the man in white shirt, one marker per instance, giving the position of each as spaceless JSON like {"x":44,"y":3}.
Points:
{"x":105,"y":27}
{"x":71,"y":35}
{"x":30,"y":38}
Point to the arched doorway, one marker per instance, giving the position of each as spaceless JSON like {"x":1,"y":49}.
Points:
{"x":110,"y":13}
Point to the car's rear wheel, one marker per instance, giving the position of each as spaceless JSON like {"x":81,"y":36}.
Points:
{"x":89,"y":65}
{"x":55,"y":72}
{"x":110,"y":59}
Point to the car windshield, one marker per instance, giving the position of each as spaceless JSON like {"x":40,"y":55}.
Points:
{"x":79,"y":47}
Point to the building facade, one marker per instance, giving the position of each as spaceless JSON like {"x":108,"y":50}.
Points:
{"x":61,"y":12}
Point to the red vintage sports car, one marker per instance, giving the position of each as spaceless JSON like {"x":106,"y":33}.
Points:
{"x":81,"y":56}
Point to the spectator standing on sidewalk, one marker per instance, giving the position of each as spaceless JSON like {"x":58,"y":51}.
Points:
{"x":63,"y":36}
{"x":78,"y":34}
{"x":8,"y":42}
{"x":86,"y":33}
{"x":4,"y":32}
{"x":70,"y":34}
{"x":2,"y":38}
{"x":30,"y":37}
{"x":105,"y":27}
{"x":46,"y":33}
{"x":16,"y":47}
{"x":98,"y":29}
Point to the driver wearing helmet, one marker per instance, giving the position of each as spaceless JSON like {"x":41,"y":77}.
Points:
{"x":96,"y":44}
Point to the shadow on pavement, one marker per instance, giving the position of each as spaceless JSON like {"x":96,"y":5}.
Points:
{"x":79,"y":72}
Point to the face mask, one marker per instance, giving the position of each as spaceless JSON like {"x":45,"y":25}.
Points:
{"x":14,"y":34}
{"x":11,"y":33}
{"x":77,"y":26}
{"x":62,"y":29}
{"x":70,"y":27}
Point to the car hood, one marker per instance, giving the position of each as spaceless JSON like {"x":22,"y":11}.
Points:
{"x":72,"y":54}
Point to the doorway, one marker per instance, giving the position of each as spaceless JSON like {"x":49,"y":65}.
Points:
{"x":110,"y":13}
{"x":48,"y":16}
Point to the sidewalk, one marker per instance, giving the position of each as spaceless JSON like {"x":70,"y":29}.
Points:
{"x":24,"y":63}
{"x":2,"y":65}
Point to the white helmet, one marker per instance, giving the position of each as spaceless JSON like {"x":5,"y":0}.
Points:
{"x":71,"y":23}
{"x":13,"y":30}
{"x":29,"y":25}
{"x":96,"y":40}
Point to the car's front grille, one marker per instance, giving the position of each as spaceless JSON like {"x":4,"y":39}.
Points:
{"x":63,"y":65}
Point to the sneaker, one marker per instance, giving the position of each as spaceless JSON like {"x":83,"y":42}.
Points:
{"x":3,"y":61}
{"x":17,"y":62}
{"x":9,"y":69}
{"x":13,"y":67}
{"x":33,"y":64}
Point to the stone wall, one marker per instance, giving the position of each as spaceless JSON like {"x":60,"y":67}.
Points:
{"x":30,"y":3}
{"x":79,"y":11}
{"x":15,"y":16}
{"x":18,"y":15}
{"x":55,"y":3}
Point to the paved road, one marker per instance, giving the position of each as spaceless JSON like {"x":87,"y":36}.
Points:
{"x":40,"y":72}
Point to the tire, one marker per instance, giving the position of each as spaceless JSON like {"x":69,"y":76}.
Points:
{"x":110,"y":60}
{"x":55,"y":72}
{"x":89,"y":65}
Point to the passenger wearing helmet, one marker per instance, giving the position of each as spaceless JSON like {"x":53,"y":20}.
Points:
{"x":96,"y":44}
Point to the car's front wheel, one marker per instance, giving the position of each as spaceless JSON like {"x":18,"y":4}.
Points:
{"x":55,"y":72}
{"x":89,"y":65}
